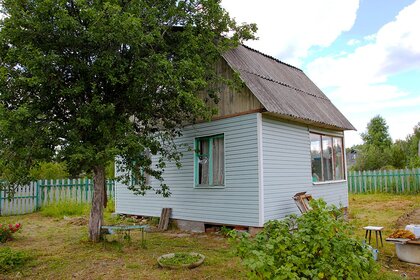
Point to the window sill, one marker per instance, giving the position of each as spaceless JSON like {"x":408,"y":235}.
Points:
{"x":328,"y":182}
{"x":208,"y":187}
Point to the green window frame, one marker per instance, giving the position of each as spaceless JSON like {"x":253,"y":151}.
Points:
{"x":208,"y":159}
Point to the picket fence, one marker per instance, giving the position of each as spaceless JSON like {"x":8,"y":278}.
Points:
{"x":384,"y":181}
{"x":30,"y":198}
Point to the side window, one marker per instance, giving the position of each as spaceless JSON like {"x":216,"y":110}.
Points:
{"x":316,"y":157}
{"x":327,"y":159}
{"x":210,"y":161}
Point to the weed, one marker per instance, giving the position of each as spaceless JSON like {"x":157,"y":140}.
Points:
{"x":10,"y":259}
{"x":226,"y":231}
{"x":110,"y":207}
{"x":154,"y":221}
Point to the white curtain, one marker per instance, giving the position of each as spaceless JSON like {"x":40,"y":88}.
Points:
{"x":218,"y":161}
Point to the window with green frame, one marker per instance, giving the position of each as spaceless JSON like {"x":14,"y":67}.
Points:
{"x":209,"y":166}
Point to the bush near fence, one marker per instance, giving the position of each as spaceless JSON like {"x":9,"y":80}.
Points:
{"x":384,"y":181}
{"x":30,"y":198}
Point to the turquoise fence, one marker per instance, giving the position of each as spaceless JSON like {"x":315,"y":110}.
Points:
{"x":30,"y":198}
{"x":384,"y":181}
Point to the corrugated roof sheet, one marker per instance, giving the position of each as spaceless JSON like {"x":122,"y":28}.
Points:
{"x":284,"y":89}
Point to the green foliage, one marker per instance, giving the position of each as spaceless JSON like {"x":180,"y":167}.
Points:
{"x":154,"y":221}
{"x":378,"y":151}
{"x":49,"y":170}
{"x":110,"y":208}
{"x":110,"y":170}
{"x":82,"y":82}
{"x":371,"y":157}
{"x":65,"y":208}
{"x":413,"y":147}
{"x":316,"y":245}
{"x":10,"y":259}
{"x":414,"y":162}
{"x":377,"y":133}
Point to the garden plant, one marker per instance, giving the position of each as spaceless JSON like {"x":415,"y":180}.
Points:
{"x":316,"y":245}
{"x":7,"y":230}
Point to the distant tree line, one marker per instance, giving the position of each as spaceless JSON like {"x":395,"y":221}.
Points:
{"x":378,"y":151}
{"x":57,"y":170}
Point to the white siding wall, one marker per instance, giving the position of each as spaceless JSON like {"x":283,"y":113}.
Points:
{"x":236,"y":204}
{"x":287,"y":170}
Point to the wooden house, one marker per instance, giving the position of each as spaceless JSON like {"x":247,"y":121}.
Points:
{"x":277,"y":136}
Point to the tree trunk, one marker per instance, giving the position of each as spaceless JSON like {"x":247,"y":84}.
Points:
{"x":97,"y":211}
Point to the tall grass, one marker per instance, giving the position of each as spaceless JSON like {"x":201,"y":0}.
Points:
{"x":65,"y":208}
{"x":72,"y":208}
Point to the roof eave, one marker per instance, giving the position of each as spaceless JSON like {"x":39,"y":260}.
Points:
{"x":309,"y":122}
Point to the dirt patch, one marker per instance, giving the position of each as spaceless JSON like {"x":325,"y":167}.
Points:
{"x":412,"y":217}
{"x":77,"y":221}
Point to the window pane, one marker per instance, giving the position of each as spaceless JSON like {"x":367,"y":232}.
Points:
{"x":218,"y":161}
{"x":316,"y":157}
{"x":327,"y":154}
{"x":203,"y":162}
{"x":339,"y":160}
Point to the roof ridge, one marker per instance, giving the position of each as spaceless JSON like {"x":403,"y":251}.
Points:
{"x":271,"y":57}
{"x":283,"y":84}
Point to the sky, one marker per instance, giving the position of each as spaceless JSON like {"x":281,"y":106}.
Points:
{"x":364,"y":55}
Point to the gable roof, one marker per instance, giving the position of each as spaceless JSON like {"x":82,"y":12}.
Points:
{"x":284,"y":89}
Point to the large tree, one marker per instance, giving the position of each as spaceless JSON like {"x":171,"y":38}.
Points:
{"x":86,"y":81}
{"x":377,"y":133}
{"x":376,"y":151}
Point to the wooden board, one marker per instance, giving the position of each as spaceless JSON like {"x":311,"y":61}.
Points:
{"x":164,"y":219}
{"x":302,"y":201}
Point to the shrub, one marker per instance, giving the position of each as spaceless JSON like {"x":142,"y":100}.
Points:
{"x":316,"y":245}
{"x":10,"y":259}
{"x":65,"y":208}
{"x":6,"y":231}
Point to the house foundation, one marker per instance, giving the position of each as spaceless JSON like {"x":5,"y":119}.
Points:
{"x":192,"y":226}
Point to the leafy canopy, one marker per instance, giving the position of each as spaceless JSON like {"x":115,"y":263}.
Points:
{"x":377,"y":133}
{"x":378,"y":151}
{"x":85,"y":81}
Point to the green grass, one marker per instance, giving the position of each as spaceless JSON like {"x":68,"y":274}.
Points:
{"x":384,"y":210}
{"x":65,"y":208}
{"x":12,"y":259}
{"x":180,"y":259}
{"x":60,"y":250}
{"x":72,"y":208}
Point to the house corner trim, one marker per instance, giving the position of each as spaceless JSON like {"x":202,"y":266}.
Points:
{"x":260,"y":171}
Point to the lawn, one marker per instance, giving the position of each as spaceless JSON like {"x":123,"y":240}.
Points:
{"x":392,"y":212}
{"x":60,"y":250}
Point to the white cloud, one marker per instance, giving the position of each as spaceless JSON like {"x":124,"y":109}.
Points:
{"x":353,"y":42}
{"x":288,"y":29}
{"x":359,"y":79}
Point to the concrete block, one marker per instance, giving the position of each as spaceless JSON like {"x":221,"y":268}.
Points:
{"x":254,"y":230}
{"x":192,"y":226}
